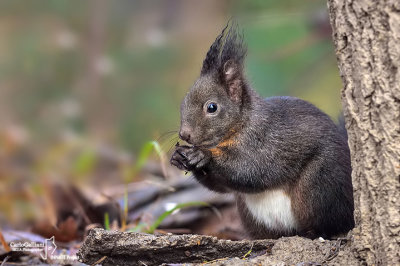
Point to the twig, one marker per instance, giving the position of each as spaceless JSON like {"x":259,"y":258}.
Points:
{"x":99,"y":261}
{"x":248,"y":253}
{"x":5,"y":260}
{"x":334,"y":250}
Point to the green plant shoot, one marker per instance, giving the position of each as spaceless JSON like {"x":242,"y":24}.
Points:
{"x":161,"y":218}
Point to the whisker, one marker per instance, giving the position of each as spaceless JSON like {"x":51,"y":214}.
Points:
{"x":169,"y":139}
{"x":172,"y":143}
{"x":166,"y":134}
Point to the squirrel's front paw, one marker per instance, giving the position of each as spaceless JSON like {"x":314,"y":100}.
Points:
{"x":189,"y":158}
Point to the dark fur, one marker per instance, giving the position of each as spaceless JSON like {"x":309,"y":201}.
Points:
{"x":228,"y":46}
{"x":278,"y":142}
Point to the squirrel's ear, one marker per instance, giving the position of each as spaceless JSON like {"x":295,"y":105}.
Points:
{"x":232,"y":75}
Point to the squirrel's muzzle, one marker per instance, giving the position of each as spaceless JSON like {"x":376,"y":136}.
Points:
{"x":185,"y":133}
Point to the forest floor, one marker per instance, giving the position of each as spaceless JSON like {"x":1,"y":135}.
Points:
{"x":162,"y":217}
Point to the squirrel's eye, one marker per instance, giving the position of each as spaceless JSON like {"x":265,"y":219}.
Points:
{"x":212,"y":108}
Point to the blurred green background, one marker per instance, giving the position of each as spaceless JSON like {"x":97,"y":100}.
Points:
{"x":115,"y":72}
{"x":120,"y":69}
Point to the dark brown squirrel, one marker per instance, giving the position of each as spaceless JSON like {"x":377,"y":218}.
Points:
{"x":286,"y":161}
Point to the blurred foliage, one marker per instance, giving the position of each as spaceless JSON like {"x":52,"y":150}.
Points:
{"x":84,"y":85}
{"x":121,"y":69}
{"x":143,"y":157}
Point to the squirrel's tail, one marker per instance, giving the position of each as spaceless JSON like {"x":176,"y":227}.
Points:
{"x":342,"y":126}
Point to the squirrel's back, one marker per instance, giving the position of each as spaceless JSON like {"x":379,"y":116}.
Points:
{"x":314,"y":197}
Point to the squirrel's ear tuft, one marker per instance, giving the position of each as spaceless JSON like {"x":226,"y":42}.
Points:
{"x":227,"y":46}
{"x":233,"y":79}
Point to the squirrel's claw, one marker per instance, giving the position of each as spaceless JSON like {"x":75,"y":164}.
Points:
{"x":179,"y":165}
{"x":189,"y":158}
{"x":178,"y":160}
{"x":181,"y":153}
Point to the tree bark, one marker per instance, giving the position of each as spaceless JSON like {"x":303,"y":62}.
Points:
{"x":367,"y":39}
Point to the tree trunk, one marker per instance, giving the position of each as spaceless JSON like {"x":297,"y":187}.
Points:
{"x":367,"y":39}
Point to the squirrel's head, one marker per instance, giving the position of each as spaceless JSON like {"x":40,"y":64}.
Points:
{"x":215,"y":103}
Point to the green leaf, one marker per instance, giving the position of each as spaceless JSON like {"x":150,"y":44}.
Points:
{"x":138,"y":228}
{"x":161,"y":218}
{"x":106,"y":221}
{"x":145,"y":153}
{"x":143,"y":157}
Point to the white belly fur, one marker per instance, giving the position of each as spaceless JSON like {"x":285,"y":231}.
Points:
{"x":271,"y":208}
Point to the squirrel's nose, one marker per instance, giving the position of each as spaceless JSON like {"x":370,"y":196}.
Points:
{"x":184,"y":134}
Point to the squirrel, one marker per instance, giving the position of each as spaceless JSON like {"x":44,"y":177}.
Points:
{"x":286,"y":161}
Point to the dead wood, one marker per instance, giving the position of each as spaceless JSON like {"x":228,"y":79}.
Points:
{"x":125,"y":248}
{"x":128,"y":248}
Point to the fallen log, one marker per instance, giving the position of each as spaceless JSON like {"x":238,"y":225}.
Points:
{"x":129,"y":248}
{"x":126,"y":248}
